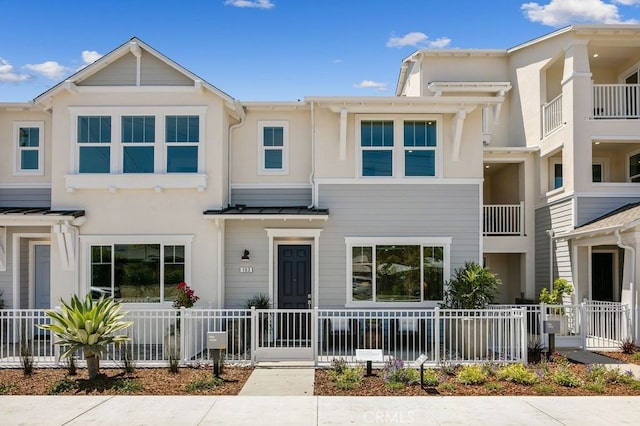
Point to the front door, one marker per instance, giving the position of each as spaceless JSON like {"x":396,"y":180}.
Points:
{"x":294,"y":276}
{"x":602,"y":275}
{"x":294,"y":292}
{"x":42,"y":280}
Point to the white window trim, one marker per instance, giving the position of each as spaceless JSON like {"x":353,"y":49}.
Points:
{"x":398,"y":148}
{"x":285,"y":147}
{"x":86,"y":241}
{"x":112,"y":180}
{"x":17,"y":166}
{"x":373,"y":241}
{"x":626,"y":165}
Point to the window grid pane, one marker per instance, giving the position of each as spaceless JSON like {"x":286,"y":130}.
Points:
{"x":182,"y":128}
{"x":139,"y":129}
{"x":95,"y":159}
{"x":173,"y":270}
{"x":377,"y":163}
{"x":29,"y":160}
{"x":420,"y":163}
{"x":137,"y":272}
{"x":273,"y":159}
{"x":94,"y":129}
{"x":398,"y":273}
{"x":362,"y":273}
{"x":376,"y":133}
{"x":29,"y":137}
{"x":182,"y":159}
{"x":138,"y":159}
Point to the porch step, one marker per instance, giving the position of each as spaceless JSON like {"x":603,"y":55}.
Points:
{"x":290,"y":380}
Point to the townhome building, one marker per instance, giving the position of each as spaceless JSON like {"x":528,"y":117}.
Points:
{"x":135,"y":174}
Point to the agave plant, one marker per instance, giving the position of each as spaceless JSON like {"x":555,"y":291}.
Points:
{"x":87,"y":325}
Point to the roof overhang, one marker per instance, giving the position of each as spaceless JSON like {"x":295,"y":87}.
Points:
{"x":440,"y":87}
{"x":38,"y":216}
{"x":405,"y":104}
{"x":267,"y":213}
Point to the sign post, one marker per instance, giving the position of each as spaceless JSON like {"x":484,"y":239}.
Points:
{"x":216,"y":343}
{"x":368,"y":356}
{"x":551,"y":328}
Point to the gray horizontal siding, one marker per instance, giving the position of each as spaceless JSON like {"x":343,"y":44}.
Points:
{"x":394,"y":211}
{"x":590,"y":208}
{"x":357,"y":211}
{"x":154,"y":72}
{"x":272,"y":197}
{"x":559,"y":217}
{"x":25,"y":197}
{"x":120,"y":73}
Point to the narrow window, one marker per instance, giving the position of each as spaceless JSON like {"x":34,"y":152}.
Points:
{"x":94,"y":140}
{"x":596,"y":172}
{"x":557,"y":176}
{"x":419,"y":148}
{"x":376,"y":141}
{"x":182,"y":134}
{"x":138,"y":137}
{"x":29,"y":146}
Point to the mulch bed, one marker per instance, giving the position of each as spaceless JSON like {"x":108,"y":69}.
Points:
{"x":626,"y":358}
{"x":153,"y":381}
{"x":375,"y":386}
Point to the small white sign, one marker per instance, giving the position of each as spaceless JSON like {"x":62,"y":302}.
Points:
{"x":217,"y":340}
{"x":246,"y":269}
{"x":369,"y":355}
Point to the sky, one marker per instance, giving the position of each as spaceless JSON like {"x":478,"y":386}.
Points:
{"x":274,"y":50}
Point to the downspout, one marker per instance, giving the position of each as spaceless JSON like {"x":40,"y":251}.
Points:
{"x":551,"y":234}
{"x":313,"y":156}
{"x":632,"y":288}
{"x":243,"y":117}
{"x":219,"y":263}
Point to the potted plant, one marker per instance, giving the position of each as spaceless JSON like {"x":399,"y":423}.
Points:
{"x":559,"y":295}
{"x":472,"y":288}
{"x":261,"y":301}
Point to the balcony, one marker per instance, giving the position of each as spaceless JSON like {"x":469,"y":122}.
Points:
{"x":552,"y":116}
{"x":616,"y":101}
{"x":503,"y":219}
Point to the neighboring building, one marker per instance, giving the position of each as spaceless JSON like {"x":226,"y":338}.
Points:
{"x":135,"y":174}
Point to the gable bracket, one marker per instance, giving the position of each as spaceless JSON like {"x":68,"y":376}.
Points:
{"x":3,"y":248}
{"x":456,"y":129}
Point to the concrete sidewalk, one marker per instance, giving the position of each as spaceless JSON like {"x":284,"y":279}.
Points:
{"x":316,"y":410}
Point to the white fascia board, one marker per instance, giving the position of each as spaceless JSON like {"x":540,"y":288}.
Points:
{"x":469,"y":86}
{"x":510,"y":149}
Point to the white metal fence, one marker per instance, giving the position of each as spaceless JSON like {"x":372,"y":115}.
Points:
{"x":498,"y":334}
{"x":503,"y":219}
{"x":616,"y":101}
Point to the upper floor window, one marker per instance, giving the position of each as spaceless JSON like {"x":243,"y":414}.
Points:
{"x":273,"y":148}
{"x":415,"y":156}
{"x":182,"y":135}
{"x":138,"y":138}
{"x":94,"y":138}
{"x":419,"y":148}
{"x":376,"y":140}
{"x":29,"y":148}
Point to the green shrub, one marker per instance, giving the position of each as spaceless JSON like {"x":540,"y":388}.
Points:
{"x":472,"y":375}
{"x":493,"y":386}
{"x":636,"y":356}
{"x":5,"y":389}
{"x":627,"y":347}
{"x":431,"y":377}
{"x":61,"y":386}
{"x":596,"y":387}
{"x":564,"y":377}
{"x":204,"y":384}
{"x":448,"y":387}
{"x":449,"y":369}
{"x":517,"y":373}
{"x":338,"y":365}
{"x":397,"y":376}
{"x":544,"y":389}
{"x":598,"y":373}
{"x":350,"y":378}
{"x":127,"y":386}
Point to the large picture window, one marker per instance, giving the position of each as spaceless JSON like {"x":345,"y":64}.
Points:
{"x":137,"y":272}
{"x":405,"y":271}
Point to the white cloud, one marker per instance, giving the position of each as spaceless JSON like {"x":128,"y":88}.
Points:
{"x":439,"y":43}
{"x":370,"y":84}
{"x":50,"y":69}
{"x":90,"y":56}
{"x":410,"y":39}
{"x":260,"y":4}
{"x":627,"y":2}
{"x":417,"y":39}
{"x":564,"y":12}
{"x":9,"y":75}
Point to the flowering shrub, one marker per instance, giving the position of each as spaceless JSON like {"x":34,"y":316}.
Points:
{"x":397,"y":376}
{"x":186,"y":296}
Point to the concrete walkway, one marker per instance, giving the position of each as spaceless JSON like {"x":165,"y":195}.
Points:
{"x":316,"y":410}
{"x":586,"y":357}
{"x":280,"y":381}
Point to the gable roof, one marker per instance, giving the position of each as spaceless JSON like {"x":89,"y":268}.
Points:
{"x":133,"y":45}
{"x":622,"y":218}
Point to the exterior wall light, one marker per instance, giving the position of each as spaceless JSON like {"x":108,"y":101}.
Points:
{"x":245,"y":256}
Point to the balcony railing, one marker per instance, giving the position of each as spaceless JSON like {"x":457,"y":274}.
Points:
{"x":617,"y":101}
{"x":552,"y":115}
{"x":503,"y":219}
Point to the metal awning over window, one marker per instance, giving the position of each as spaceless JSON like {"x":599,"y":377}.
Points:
{"x":263,"y":213}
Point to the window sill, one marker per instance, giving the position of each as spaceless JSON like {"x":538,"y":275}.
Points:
{"x":157,"y":182}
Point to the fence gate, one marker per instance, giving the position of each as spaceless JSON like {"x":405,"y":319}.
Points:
{"x":283,"y":334}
